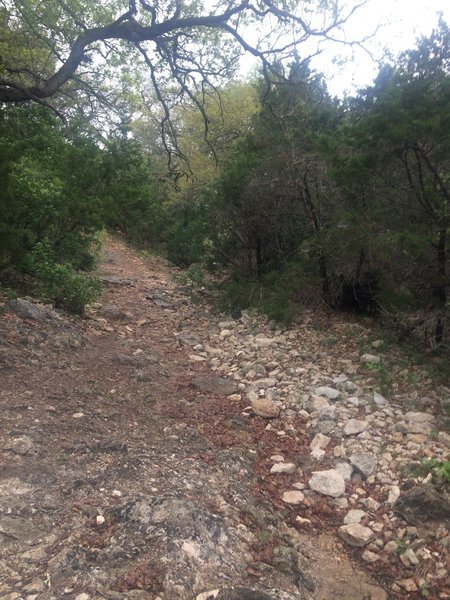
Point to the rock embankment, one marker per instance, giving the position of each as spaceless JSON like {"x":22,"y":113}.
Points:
{"x":368,"y":452}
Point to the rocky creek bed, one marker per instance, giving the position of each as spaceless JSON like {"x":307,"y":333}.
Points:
{"x":157,"y":451}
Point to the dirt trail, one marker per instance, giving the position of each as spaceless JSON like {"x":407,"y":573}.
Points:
{"x":126,"y":473}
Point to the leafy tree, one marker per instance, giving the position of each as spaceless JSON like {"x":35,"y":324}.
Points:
{"x":395,"y":169}
{"x":188,"y":206}
{"x":57,"y":193}
{"x":49,"y":188}
{"x":275,"y":189}
{"x":229,"y":119}
{"x":373,"y":230}
{"x":303,"y":114}
{"x":59,"y":50}
{"x":131,"y":194}
{"x":50,"y":206}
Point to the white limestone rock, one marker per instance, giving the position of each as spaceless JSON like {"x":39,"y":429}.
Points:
{"x":263,"y":341}
{"x":317,"y":403}
{"x":293,"y":497}
{"x":370,"y":557}
{"x":328,"y":413}
{"x":444,"y":438}
{"x":283,"y":468}
{"x":345,"y":470}
{"x":330,"y":483}
{"x":355,"y":426}
{"x":394,"y":494}
{"x":365,"y":463}
{"x":370,"y":358}
{"x":354,"y":516}
{"x":319,"y":442}
{"x":264,"y":407}
{"x":355,"y":534}
{"x":327,"y":392}
{"x":227,"y":324}
{"x":379,"y":400}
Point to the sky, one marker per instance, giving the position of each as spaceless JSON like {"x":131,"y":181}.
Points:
{"x":395,"y":25}
{"x":400,"y":22}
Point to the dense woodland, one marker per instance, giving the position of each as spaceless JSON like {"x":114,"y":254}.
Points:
{"x":289,"y":197}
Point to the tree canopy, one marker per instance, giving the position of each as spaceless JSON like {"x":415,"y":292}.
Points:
{"x":63,"y":47}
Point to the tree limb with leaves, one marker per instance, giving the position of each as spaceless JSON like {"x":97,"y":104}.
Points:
{"x":195,"y":43}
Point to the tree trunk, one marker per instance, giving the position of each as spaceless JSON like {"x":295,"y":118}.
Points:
{"x":258,"y":257}
{"x":440,"y":288}
{"x":314,"y":216}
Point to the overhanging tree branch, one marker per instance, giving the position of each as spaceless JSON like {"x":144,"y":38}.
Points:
{"x":142,"y":22}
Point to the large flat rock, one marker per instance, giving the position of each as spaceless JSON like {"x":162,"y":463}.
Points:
{"x":215,"y":385}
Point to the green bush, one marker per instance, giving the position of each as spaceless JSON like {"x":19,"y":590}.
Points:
{"x":185,"y":244}
{"x":277,"y":294}
{"x":440,"y":470}
{"x":238,"y":294}
{"x":187,"y":233}
{"x":444,"y":471}
{"x":131,"y":195}
{"x":62,"y":285}
{"x":68,"y":289}
{"x":50,"y":190}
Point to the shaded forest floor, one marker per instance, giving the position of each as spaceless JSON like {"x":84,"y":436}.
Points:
{"x":134,"y":468}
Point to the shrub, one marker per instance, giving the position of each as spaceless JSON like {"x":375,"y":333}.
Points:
{"x":62,"y":285}
{"x":279,"y":295}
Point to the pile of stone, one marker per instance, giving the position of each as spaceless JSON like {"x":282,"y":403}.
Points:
{"x":368,"y":439}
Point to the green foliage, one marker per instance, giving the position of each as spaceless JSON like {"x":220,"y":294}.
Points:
{"x":48,"y":189}
{"x":444,"y":471}
{"x":196,"y":274}
{"x":285,"y":292}
{"x":391,"y":164}
{"x":402,"y":546}
{"x":278,"y":294}
{"x":60,"y":284}
{"x":279,"y":306}
{"x":238,"y":294}
{"x":268,"y":190}
{"x":268,"y":204}
{"x":302,"y":200}
{"x":186,"y":233}
{"x":384,"y":379}
{"x":59,"y":190}
{"x":189,"y":218}
{"x":67,"y":289}
{"x":440,"y":470}
{"x":356,"y":197}
{"x":132,"y":197}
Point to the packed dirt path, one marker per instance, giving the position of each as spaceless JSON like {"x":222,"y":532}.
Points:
{"x":128,"y":470}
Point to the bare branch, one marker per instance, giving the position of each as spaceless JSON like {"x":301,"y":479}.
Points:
{"x":176,"y":14}
{"x":193,"y":98}
{"x":166,"y":123}
{"x":147,"y":7}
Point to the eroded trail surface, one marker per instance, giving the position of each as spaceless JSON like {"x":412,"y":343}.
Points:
{"x":153,"y":450}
